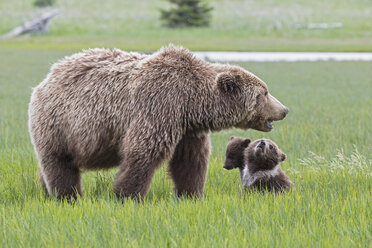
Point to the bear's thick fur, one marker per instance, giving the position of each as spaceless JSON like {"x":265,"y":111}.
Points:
{"x":102,"y":108}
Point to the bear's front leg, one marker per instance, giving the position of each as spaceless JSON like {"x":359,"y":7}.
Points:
{"x":189,"y":163}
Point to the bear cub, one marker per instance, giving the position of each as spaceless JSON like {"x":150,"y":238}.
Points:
{"x":258,"y":163}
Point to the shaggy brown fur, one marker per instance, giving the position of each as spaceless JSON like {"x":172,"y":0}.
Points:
{"x":188,"y":166}
{"x":102,"y":108}
{"x":258,"y":163}
{"x":235,"y":154}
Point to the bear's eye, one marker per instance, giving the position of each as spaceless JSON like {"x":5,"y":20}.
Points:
{"x":271,"y":147}
{"x":229,"y":156}
{"x":266,"y":93}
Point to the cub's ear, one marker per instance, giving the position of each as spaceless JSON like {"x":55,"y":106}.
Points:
{"x":246,"y":142}
{"x":232,"y":137}
{"x":283,"y":157}
{"x":227,"y":83}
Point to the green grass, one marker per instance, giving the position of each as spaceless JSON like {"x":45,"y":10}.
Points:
{"x":236,"y":25}
{"x":327,"y":139}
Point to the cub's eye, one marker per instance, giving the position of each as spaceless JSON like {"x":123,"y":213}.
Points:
{"x":266,"y":93}
{"x":271,"y":147}
{"x":230,"y":156}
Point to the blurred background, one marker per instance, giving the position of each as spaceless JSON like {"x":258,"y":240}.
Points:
{"x":210,"y":25}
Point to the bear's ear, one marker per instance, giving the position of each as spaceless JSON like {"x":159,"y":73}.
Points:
{"x":228,"y":83}
{"x":232,"y":137}
{"x":246,"y":142}
{"x":283,"y":157}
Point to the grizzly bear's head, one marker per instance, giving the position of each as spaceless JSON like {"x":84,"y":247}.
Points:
{"x":254,"y":106}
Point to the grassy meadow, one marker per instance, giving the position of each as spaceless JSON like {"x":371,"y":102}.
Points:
{"x":236,"y":25}
{"x":327,"y":139}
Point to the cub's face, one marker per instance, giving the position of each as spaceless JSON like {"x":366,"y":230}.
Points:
{"x":235,"y":153}
{"x":264,"y":154}
{"x":249,"y":94}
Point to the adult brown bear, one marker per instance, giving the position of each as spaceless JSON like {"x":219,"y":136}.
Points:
{"x":102,"y":108}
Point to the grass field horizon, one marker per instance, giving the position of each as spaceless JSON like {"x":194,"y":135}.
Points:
{"x":239,"y":25}
{"x":326,"y":136}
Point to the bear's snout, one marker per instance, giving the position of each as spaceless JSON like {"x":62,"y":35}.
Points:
{"x":225,"y":166}
{"x":261,"y":145}
{"x":286,"y":111}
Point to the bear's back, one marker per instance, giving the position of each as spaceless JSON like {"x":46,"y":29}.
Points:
{"x":85,"y":91}
{"x":94,"y":65}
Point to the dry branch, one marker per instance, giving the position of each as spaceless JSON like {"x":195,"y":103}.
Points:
{"x":38,"y":25}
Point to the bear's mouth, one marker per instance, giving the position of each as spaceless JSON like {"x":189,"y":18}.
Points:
{"x":269,"y":124}
{"x":258,"y":124}
{"x":260,"y":148}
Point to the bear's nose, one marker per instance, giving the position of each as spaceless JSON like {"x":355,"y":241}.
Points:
{"x":262,"y":143}
{"x":225,"y":166}
{"x":286,"y":111}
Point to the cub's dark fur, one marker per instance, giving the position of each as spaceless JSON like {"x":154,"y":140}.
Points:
{"x":258,"y":163}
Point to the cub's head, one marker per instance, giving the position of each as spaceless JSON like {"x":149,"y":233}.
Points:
{"x":263,"y":154}
{"x":235,"y":153}
{"x":251,"y":101}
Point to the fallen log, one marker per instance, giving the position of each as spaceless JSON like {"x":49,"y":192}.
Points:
{"x":38,"y":25}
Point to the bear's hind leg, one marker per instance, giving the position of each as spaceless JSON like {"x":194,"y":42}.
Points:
{"x":189,"y":164}
{"x":61,"y":177}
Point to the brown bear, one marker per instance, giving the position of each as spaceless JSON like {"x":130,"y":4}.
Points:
{"x":258,"y":163}
{"x":102,"y":108}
